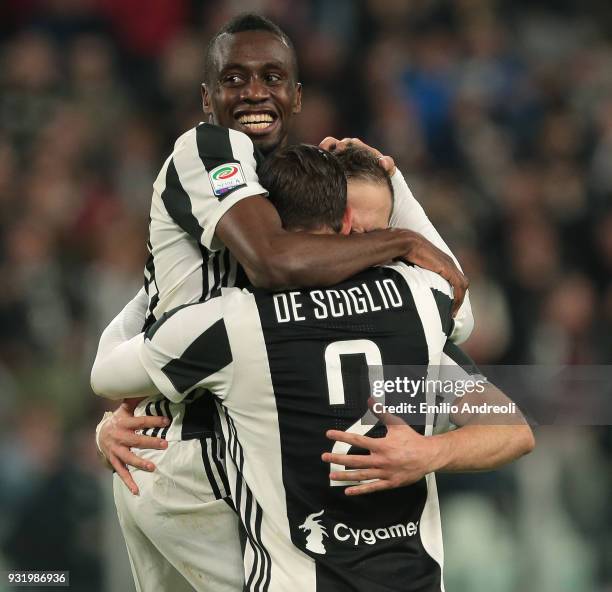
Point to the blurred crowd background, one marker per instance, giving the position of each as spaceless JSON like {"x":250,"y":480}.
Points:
{"x":499,"y":115}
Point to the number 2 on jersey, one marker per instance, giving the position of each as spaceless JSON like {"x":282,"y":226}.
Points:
{"x":335,"y":386}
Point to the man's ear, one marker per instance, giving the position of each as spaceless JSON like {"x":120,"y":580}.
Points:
{"x":206,"y":103}
{"x":347,"y":221}
{"x":297,"y":103}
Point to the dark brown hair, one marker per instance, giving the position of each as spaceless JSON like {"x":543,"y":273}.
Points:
{"x":307,"y":186}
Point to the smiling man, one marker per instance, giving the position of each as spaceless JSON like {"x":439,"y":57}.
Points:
{"x":211,"y":226}
{"x":233,"y":59}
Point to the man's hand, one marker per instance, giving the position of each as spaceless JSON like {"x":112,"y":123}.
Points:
{"x":428,"y":256}
{"x":334,"y":145}
{"x":401,"y":458}
{"x":118,"y":435}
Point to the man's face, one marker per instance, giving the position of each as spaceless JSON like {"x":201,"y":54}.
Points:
{"x":252,"y":89}
{"x":370,"y":203}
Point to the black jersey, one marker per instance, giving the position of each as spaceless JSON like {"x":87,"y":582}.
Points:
{"x":286,"y":367}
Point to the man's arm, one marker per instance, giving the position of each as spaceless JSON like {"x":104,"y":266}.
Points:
{"x":115,"y":374}
{"x":118,"y":374}
{"x":117,"y":434}
{"x":482,"y":442}
{"x":404,"y":456}
{"x":274,"y":258}
{"x":121,"y":365}
{"x":248,"y":225}
{"x":185,"y":350}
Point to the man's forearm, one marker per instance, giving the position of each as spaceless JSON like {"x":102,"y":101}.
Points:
{"x":481,"y":447}
{"x":276,"y":259}
{"x":307,"y":260}
{"x":484,"y":441}
{"x":118,"y":373}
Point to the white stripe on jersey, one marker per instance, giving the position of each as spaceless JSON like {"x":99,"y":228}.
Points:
{"x":431,"y":526}
{"x":257,"y":560}
{"x":416,"y":278}
{"x":249,"y":352}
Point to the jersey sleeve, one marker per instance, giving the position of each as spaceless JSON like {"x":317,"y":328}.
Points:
{"x":440,"y":289}
{"x":188,"y":348}
{"x":408,"y":213}
{"x":458,"y":376}
{"x":116,"y":372}
{"x":211,"y":169}
{"x":456,"y":364}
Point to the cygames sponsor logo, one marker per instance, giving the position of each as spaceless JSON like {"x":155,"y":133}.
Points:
{"x":316,"y":533}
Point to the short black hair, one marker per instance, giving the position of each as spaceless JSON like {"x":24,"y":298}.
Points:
{"x":248,"y":21}
{"x":363,"y":165}
{"x":307,"y":186}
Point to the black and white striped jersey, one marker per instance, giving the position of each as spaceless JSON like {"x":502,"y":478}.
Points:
{"x":284,"y":368}
{"x":210,"y":169}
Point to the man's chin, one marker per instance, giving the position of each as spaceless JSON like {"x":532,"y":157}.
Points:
{"x":266,"y":144}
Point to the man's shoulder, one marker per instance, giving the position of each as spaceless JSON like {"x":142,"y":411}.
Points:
{"x":234,"y":297}
{"x":404,"y":273}
{"x":212,"y":139}
{"x":199,"y":315}
{"x":209,"y":148}
{"x":417,"y":277}
{"x":223,"y":298}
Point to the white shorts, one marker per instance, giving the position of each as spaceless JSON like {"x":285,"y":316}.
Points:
{"x":180,"y":533}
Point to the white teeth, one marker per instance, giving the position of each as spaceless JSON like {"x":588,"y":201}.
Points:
{"x":255,"y":118}
{"x":262,"y":125}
